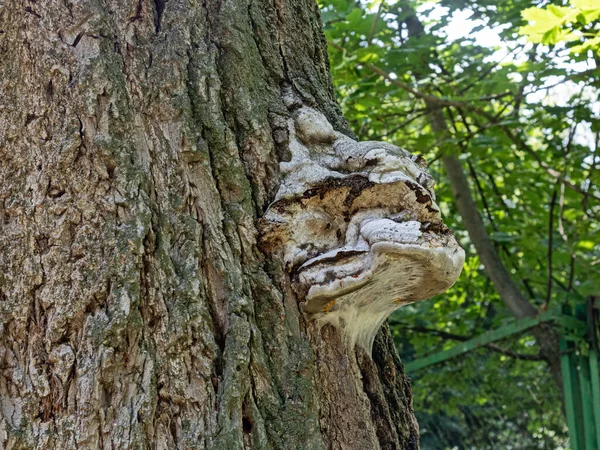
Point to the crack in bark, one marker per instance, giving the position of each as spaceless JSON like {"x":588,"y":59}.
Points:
{"x":159,"y":7}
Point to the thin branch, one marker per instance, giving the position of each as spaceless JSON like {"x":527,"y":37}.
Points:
{"x":471,"y":168}
{"x":569,"y":144}
{"x":498,"y":194}
{"x":571,"y":273}
{"x":544,"y":307}
{"x":485,"y":73}
{"x":507,"y":352}
{"x":595,"y":160}
{"x":402,"y":125}
{"x":508,"y":290}
{"x":482,"y":195}
{"x":561,"y":206}
{"x":503,"y":247}
{"x":570,"y":77}
{"x":491,"y":346}
{"x":377,"y":15}
{"x":561,"y":230}
{"x":521,"y":145}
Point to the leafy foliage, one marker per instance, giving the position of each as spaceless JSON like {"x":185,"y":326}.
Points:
{"x":575,"y":23}
{"x":523,"y":119}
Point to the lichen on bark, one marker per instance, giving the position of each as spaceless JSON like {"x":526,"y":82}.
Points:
{"x":139,"y":146}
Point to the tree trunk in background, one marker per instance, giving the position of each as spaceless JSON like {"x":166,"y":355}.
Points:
{"x":545,"y":335}
{"x":139,"y":144}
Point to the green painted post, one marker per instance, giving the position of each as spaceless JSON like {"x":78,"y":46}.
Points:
{"x":595,"y":385}
{"x":571,"y":394}
{"x":580,"y":375}
{"x":593,"y":324}
{"x":586,"y":402}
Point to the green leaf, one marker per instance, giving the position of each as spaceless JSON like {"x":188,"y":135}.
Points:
{"x":355,"y":16}
{"x":586,"y":245}
{"x":585,"y":4}
{"x":544,"y":19}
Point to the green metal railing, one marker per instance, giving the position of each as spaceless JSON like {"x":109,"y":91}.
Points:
{"x":581,"y":381}
{"x":579,"y":348}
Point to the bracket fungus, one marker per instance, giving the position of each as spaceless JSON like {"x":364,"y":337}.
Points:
{"x":358,"y":228}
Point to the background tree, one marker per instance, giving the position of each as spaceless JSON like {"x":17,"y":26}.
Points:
{"x":139,"y":144}
{"x":515,"y":123}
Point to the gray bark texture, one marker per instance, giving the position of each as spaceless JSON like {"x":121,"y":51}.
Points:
{"x":139,"y":147}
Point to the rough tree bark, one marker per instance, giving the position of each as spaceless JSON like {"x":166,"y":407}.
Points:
{"x":139,"y":144}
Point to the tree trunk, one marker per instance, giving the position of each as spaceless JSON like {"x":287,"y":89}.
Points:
{"x":139,"y":145}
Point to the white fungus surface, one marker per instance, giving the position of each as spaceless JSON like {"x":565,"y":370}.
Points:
{"x":358,"y":227}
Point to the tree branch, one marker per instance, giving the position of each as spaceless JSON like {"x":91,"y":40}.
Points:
{"x":375,"y":20}
{"x":441,"y":102}
{"x":457,"y":337}
{"x":549,"y":263}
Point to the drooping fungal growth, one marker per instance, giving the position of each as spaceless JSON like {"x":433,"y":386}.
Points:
{"x":358,"y":228}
